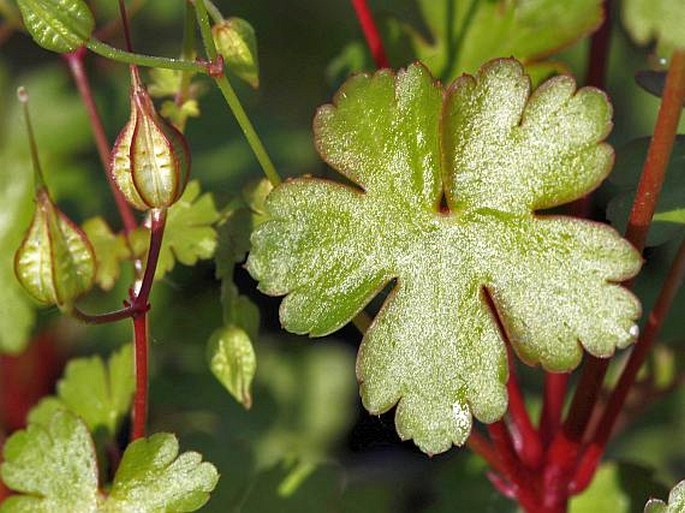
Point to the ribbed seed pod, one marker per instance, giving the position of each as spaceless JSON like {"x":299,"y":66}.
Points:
{"x":55,"y":262}
{"x":150,"y":159}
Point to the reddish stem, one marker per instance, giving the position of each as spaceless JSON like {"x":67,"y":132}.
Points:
{"x":480,"y":445}
{"x":598,"y":57}
{"x":371,"y":33}
{"x":78,"y":72}
{"x":553,"y":404}
{"x":140,"y":305}
{"x":605,"y":427}
{"x":659,"y":152}
{"x":141,"y":365}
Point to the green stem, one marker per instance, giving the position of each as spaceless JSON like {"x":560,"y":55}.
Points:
{"x":39,"y":180}
{"x":187,"y":54}
{"x":214,"y":11}
{"x":232,"y":99}
{"x":150,"y":61}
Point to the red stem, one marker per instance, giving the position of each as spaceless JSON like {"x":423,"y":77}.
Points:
{"x":480,"y":445}
{"x":553,"y":404}
{"x":140,"y":305}
{"x":371,"y":33}
{"x":78,"y":72}
{"x":659,"y":152}
{"x":593,"y":453}
{"x":141,"y":364}
{"x":598,"y":57}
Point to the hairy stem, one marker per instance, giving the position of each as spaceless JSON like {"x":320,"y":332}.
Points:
{"x":371,"y":33}
{"x":78,"y":73}
{"x":232,"y":99}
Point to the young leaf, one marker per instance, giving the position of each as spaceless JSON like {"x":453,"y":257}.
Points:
{"x":501,"y":154}
{"x":53,"y":465}
{"x":468,"y":33}
{"x":153,"y":478}
{"x":669,"y":216}
{"x":58,"y":25}
{"x":236,"y":41}
{"x":660,"y":20}
{"x":110,"y":251}
{"x":189,"y":234}
{"x":676,"y":501}
{"x":100,"y":396}
{"x":233,"y":362}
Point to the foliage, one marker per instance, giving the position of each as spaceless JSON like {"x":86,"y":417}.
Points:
{"x":661,"y":20}
{"x":676,"y":501}
{"x":323,"y":244}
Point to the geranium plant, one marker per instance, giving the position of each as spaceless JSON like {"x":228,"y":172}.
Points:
{"x":460,"y":226}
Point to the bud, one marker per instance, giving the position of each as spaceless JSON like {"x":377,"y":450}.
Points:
{"x":150,"y":159}
{"x":235,"y":40}
{"x":55,"y":262}
{"x":233,"y":362}
{"x":58,"y":25}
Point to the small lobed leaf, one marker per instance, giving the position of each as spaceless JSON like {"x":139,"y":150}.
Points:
{"x":497,"y":153}
{"x":110,"y":251}
{"x":659,"y":20}
{"x":233,"y":362}
{"x":669,"y":216}
{"x":100,"y":395}
{"x":58,"y":25}
{"x":52,"y":465}
{"x":190,"y":235}
{"x":153,"y":478}
{"x":236,"y":41}
{"x":676,"y":501}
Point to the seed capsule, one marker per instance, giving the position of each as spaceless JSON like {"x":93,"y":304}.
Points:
{"x":150,"y":159}
{"x":55,"y":262}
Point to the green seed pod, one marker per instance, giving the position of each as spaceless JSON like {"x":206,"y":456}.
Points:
{"x":150,"y":159}
{"x":55,"y":262}
{"x":235,"y":40}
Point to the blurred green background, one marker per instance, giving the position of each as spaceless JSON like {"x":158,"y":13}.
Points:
{"x":306,"y":445}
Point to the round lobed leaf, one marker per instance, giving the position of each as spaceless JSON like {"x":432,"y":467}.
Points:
{"x":497,"y":153}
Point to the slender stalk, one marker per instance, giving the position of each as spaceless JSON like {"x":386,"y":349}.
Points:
{"x":659,"y":152}
{"x":140,"y":304}
{"x":553,"y":404}
{"x":371,"y":33}
{"x":213,"y":11}
{"x":525,"y":437}
{"x":606,"y":425}
{"x":38,"y":178}
{"x":140,"y":399}
{"x":480,"y":445}
{"x":232,"y":99}
{"x":150,"y":61}
{"x":104,"y":318}
{"x":78,"y":73}
{"x":598,"y":57}
{"x":187,"y":53}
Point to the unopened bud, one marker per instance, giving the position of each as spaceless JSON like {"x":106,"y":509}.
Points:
{"x":235,"y":40}
{"x":150,"y":159}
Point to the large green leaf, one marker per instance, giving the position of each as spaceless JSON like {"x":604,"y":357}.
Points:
{"x":467,"y":33}
{"x":660,"y":20}
{"x":58,"y":25}
{"x":435,"y":347}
